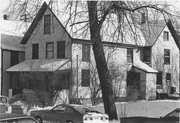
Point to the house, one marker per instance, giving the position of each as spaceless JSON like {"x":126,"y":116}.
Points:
{"x":12,"y":54}
{"x":55,"y":61}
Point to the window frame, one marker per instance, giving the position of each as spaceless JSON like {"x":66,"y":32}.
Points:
{"x":159,"y":78}
{"x":59,"y":49}
{"x":86,"y":52}
{"x":166,"y":36}
{"x":129,"y":55}
{"x":167,"y":57}
{"x":35,"y":55}
{"x":47,"y":24}
{"x":147,"y":55}
{"x":50,"y":51}
{"x":168,"y":77}
{"x":85,"y":74}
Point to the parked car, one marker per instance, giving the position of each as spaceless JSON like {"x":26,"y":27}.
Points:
{"x":95,"y":118}
{"x":172,"y":117}
{"x":6,"y":107}
{"x":16,"y":118}
{"x":69,"y":113}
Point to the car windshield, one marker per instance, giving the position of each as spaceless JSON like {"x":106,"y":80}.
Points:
{"x":84,"y":110}
{"x":59,"y":108}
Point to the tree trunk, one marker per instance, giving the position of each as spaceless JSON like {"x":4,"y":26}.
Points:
{"x":101,"y":64}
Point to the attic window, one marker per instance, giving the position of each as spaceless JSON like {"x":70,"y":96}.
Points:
{"x":166,"y":36}
{"x":47,"y":24}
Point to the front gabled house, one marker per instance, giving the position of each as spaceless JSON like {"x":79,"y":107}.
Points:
{"x":54,"y":61}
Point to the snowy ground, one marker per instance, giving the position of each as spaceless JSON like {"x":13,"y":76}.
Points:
{"x":156,"y":108}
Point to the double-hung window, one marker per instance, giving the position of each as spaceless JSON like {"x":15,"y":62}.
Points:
{"x":85,"y":78}
{"x":86,"y":52}
{"x":49,"y":50}
{"x":166,"y":56}
{"x":47,"y":24}
{"x":129,"y":55}
{"x":61,"y":49}
{"x":165,"y":35}
{"x":35,"y":51}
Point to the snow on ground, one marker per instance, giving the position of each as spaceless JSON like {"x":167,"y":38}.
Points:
{"x":156,"y":108}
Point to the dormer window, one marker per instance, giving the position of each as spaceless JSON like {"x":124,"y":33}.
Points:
{"x":47,"y":24}
{"x":166,"y":36}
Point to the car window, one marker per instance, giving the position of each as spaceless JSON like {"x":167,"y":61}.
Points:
{"x":86,"y":110}
{"x":59,"y":108}
{"x":68,"y":110}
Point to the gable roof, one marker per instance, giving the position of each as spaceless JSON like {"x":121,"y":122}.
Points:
{"x":151,"y":31}
{"x":36,"y":20}
{"x":174,"y":33}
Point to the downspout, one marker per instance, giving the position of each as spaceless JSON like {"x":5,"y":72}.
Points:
{"x":77,"y":75}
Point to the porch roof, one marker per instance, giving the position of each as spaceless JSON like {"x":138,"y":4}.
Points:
{"x":144,"y":67}
{"x":41,"y":65}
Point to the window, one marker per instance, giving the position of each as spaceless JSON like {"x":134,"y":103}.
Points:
{"x":50,"y":50}
{"x":168,"y":77}
{"x":166,"y":56}
{"x":147,"y":55}
{"x":166,"y":36}
{"x":133,"y":79}
{"x":86,"y":52}
{"x":129,"y":55}
{"x":159,"y":78}
{"x":14,"y":58}
{"x":35,"y":51}
{"x":85,"y":78}
{"x":61,"y":49}
{"x":47,"y":24}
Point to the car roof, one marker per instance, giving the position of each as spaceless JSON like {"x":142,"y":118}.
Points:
{"x":12,"y":116}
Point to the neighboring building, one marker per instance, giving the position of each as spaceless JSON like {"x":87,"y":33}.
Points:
{"x":12,"y":54}
{"x":56,"y":61}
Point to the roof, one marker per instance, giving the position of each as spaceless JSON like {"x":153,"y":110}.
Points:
{"x":36,"y":20}
{"x":144,"y":67}
{"x":151,"y":31}
{"x":174,"y":33}
{"x":11,"y":27}
{"x":41,"y":65}
{"x":11,"y":42}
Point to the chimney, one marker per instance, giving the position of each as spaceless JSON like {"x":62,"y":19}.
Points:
{"x":5,"y":17}
{"x":143,"y":18}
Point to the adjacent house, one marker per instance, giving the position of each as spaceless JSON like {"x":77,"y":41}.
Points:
{"x":12,"y":53}
{"x":55,"y":61}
